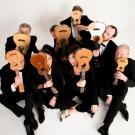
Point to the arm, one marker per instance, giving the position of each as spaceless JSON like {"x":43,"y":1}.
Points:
{"x":33,"y":42}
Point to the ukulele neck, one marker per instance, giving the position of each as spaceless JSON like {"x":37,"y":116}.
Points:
{"x":83,"y":74}
{"x":45,"y":75}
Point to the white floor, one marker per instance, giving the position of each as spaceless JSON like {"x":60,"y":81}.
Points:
{"x":76,"y":124}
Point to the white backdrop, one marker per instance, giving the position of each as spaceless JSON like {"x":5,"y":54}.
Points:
{"x":41,"y":14}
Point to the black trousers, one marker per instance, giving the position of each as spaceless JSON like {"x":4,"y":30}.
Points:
{"x":115,"y":106}
{"x":10,"y":101}
{"x":42,"y":97}
{"x":29,"y":104}
{"x":65,"y":100}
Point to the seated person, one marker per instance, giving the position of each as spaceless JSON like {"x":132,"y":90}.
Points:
{"x":73,"y":83}
{"x":24,"y":28}
{"x":125,"y":79}
{"x":53,"y":80}
{"x":11,"y":80}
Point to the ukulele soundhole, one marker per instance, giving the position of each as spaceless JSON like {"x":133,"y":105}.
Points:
{"x":83,"y":65}
{"x":42,"y":69}
{"x":120,"y":68}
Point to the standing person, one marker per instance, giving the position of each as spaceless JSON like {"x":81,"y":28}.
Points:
{"x":125,"y":79}
{"x":24,"y":28}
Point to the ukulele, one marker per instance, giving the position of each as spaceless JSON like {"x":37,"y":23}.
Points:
{"x":76,"y":18}
{"x":15,"y":59}
{"x":83,"y":57}
{"x":22,"y":42}
{"x":96,"y":29}
{"x":122,"y":63}
{"x":62,"y":33}
{"x":39,"y":61}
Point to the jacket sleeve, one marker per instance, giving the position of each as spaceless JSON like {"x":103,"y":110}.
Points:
{"x":7,"y":79}
{"x":33,"y":42}
{"x":131,"y":77}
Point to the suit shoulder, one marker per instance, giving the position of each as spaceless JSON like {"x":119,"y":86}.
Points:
{"x":34,"y":37}
{"x":5,"y":68}
{"x":131,"y":61}
{"x":85,"y":17}
{"x":10,"y":38}
{"x":66,"y":20}
{"x":112,"y":45}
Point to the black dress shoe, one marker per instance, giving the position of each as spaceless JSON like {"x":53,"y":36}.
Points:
{"x":91,"y":114}
{"x":41,"y":116}
{"x":124,"y":112}
{"x":28,"y":128}
{"x":102,"y":131}
{"x":18,"y":113}
{"x":33,"y":123}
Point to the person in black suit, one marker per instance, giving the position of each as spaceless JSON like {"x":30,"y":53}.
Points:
{"x":105,"y":56}
{"x":44,"y":93}
{"x":89,"y":101}
{"x":79,"y":28}
{"x":125,"y":80}
{"x":24,"y":28}
{"x":10,"y":82}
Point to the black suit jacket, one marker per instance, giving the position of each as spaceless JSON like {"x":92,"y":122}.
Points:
{"x":71,"y":89}
{"x":104,"y":73}
{"x":29,"y":74}
{"x":84,"y":34}
{"x":10,"y":45}
{"x":121,"y":88}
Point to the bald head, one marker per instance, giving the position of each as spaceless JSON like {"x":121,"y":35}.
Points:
{"x":122,"y":51}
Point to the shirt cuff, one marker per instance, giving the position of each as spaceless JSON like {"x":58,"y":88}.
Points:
{"x":13,"y":88}
{"x":109,"y":95}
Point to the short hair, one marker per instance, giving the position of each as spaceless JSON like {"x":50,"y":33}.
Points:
{"x":52,"y":27}
{"x":71,"y":49}
{"x":76,"y":7}
{"x":115,"y":28}
{"x":25,"y":25}
{"x":124,"y":46}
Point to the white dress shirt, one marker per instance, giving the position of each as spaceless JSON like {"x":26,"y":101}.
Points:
{"x":13,"y":88}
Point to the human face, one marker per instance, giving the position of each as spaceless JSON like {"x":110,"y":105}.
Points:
{"x":108,"y":33}
{"x":49,"y":60}
{"x":121,"y":52}
{"x":24,"y":30}
{"x":72,"y":60}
